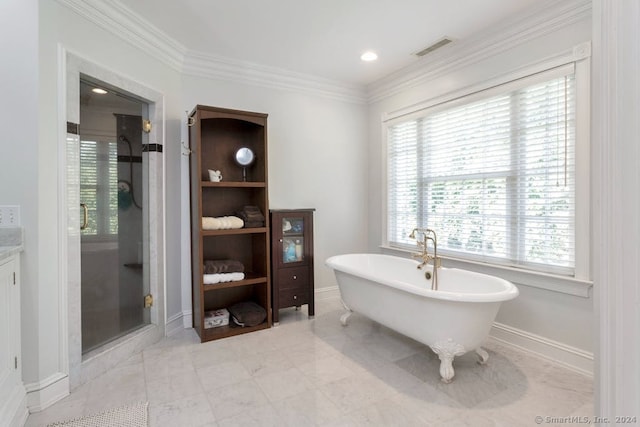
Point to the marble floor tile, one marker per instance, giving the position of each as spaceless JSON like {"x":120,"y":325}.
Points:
{"x":266,"y":363}
{"x":211,"y":353}
{"x":258,"y":342}
{"x":172,"y":387}
{"x":585,"y":410}
{"x":166,"y":361}
{"x":385,"y":413}
{"x":545,"y":400}
{"x":310,"y":351}
{"x":475,"y":419}
{"x":428,"y":404}
{"x":325,"y":370}
{"x":393,"y":376}
{"x":119,"y":386}
{"x":259,"y":416}
{"x":192,"y":411}
{"x":355,"y":392}
{"x":228,"y":402}
{"x":283,"y":384}
{"x":318,"y":372}
{"x":307,"y":408}
{"x":222,"y":375}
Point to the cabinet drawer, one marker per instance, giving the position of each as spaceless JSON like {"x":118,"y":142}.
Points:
{"x":291,"y":297}
{"x":289,"y":278}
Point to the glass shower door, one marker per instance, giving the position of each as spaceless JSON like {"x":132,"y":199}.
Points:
{"x":113,"y":252}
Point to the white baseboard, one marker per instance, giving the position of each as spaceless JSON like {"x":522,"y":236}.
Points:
{"x":570,"y":357}
{"x":178,"y":322}
{"x":187,"y":319}
{"x":13,"y":411}
{"x":42,"y":394}
{"x":174,"y":324}
{"x":328,"y":292}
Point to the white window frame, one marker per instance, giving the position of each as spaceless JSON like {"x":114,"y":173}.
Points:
{"x":580,"y":283}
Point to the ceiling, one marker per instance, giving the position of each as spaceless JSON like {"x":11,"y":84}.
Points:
{"x":322,"y":38}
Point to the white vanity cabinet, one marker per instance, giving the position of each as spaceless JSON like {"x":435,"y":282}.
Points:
{"x":12,"y":393}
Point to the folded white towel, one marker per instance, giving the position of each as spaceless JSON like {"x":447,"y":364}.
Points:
{"x":221,"y":222}
{"x":210,"y":279}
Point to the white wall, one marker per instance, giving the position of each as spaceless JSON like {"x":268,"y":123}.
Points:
{"x":554,"y":316}
{"x":19,"y":141}
{"x":317,"y":159}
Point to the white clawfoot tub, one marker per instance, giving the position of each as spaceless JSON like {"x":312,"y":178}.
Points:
{"x":390,"y":290}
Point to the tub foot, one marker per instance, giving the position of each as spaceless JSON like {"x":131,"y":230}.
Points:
{"x":483,"y":355}
{"x":345,"y":317}
{"x":446,"y":351}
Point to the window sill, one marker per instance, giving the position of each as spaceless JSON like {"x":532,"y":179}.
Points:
{"x":550,"y":282}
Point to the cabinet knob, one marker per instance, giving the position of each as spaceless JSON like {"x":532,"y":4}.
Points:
{"x":280,"y":240}
{"x":295,"y":297}
{"x":295,"y":277}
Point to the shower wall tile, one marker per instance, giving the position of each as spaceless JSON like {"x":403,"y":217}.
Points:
{"x":156,"y":242}
{"x":74,"y":295}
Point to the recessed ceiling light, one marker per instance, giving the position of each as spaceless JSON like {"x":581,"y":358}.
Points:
{"x":98,"y":90}
{"x":369,"y":56}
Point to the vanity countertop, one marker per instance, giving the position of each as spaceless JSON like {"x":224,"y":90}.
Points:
{"x":11,"y":239}
{"x":7,"y":251}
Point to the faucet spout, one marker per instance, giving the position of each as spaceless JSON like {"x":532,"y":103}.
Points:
{"x":428,"y":235}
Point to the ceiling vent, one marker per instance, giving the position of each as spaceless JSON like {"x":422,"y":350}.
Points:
{"x":437,"y":45}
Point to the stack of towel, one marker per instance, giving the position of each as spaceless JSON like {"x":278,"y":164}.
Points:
{"x":221,"y":223}
{"x":251,"y":216}
{"x":224,"y":270}
{"x":223,"y":266}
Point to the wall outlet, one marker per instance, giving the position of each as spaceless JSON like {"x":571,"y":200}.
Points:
{"x":9,"y":216}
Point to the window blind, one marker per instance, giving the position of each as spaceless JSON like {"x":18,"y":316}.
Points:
{"x":493,"y":175}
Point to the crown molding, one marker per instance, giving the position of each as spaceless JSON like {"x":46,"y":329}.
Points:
{"x":546,"y":17}
{"x":120,"y":21}
{"x":117,"y":19}
{"x":217,"y":67}
{"x":114,"y":17}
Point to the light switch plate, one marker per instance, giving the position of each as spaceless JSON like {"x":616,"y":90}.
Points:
{"x":9,"y":216}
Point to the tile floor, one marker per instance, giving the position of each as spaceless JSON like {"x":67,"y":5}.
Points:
{"x":317,"y":372}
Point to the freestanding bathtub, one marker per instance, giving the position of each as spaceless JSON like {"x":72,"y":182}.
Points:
{"x":452,"y":320}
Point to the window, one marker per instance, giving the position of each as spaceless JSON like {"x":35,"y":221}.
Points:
{"x":492,"y":173}
{"x":99,"y":187}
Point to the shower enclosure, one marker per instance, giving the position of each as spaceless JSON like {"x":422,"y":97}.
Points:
{"x":114,"y":226}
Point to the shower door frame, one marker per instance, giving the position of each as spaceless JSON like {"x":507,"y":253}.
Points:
{"x":79,"y":367}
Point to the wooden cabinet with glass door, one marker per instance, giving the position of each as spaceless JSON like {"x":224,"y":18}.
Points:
{"x":292,"y":259}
